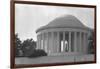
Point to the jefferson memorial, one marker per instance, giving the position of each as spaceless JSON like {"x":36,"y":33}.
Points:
{"x":63,"y":35}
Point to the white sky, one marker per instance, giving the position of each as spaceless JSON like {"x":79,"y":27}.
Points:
{"x":28,"y":18}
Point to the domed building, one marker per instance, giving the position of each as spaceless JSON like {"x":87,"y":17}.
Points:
{"x":63,"y":35}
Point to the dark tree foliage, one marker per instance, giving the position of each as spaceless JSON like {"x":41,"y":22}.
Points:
{"x":28,"y":46}
{"x":18,"y":46}
{"x":91,"y":44}
{"x":37,"y":53}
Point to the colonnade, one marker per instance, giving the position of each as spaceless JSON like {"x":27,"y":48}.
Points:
{"x":64,"y":41}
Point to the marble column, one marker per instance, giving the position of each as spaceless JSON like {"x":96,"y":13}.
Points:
{"x":58,"y":41}
{"x":64,"y":41}
{"x":84,"y":44}
{"x":75,"y":41}
{"x":80,"y":38}
{"x":43,"y":41}
{"x":37,"y":43}
{"x":47,"y":41}
{"x":52,"y":45}
{"x":69,"y":41}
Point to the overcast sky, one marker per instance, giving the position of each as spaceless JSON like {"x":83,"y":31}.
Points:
{"x":28,"y":18}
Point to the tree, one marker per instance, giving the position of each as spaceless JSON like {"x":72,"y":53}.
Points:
{"x":18,"y":45}
{"x":38,"y":53}
{"x":91,"y":44}
{"x":28,"y":46}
